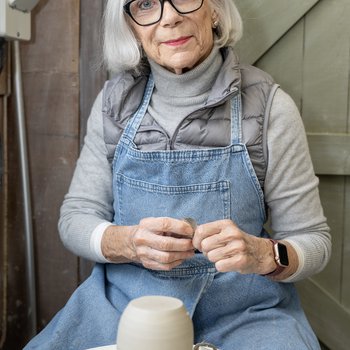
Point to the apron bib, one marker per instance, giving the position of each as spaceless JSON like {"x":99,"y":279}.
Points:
{"x":206,"y":185}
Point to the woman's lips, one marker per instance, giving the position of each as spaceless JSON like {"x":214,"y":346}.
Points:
{"x":177,"y":42}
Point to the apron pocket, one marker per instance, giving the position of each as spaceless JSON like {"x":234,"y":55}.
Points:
{"x":138,"y":199}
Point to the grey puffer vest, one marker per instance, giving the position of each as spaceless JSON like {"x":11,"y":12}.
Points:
{"x":207,"y":127}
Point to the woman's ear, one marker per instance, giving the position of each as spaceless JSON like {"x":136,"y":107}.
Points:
{"x":214,"y":19}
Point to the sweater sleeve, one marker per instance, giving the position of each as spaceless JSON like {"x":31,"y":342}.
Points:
{"x":291,"y":189}
{"x":89,"y":202}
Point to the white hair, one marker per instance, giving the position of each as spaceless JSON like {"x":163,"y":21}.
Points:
{"x":122,"y":51}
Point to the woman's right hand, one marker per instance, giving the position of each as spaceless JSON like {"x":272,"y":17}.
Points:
{"x":157,"y":243}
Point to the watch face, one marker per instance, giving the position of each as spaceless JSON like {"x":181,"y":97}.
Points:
{"x":283,"y":254}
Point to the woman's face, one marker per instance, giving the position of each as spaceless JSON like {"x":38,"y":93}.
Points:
{"x":178,"y":42}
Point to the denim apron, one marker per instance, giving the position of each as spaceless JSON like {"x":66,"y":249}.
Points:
{"x":230,"y":310}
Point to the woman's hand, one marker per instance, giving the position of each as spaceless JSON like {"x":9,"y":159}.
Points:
{"x":234,"y":250}
{"x":156,"y":243}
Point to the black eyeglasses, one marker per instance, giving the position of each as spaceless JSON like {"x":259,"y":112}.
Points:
{"x":148,"y":12}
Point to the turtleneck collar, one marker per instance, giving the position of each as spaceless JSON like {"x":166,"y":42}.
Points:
{"x":190,"y":83}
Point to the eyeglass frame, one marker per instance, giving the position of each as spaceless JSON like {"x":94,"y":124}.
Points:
{"x":126,"y":9}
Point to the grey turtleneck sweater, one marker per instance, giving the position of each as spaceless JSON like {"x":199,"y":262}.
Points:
{"x":176,"y":96}
{"x":87,"y":209}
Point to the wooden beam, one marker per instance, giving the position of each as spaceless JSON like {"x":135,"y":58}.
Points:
{"x":265,"y":22}
{"x":330,"y":153}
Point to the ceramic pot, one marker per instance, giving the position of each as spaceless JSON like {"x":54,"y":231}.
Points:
{"x":155,"y":323}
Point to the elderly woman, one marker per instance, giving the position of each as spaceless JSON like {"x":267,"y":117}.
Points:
{"x":186,"y":151}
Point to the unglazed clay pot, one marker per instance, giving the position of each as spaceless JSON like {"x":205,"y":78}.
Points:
{"x":155,"y":323}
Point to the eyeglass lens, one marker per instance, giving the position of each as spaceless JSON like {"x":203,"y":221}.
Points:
{"x":146,"y":12}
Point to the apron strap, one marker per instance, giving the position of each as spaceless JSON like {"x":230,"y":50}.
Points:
{"x":134,"y":122}
{"x":236,"y":119}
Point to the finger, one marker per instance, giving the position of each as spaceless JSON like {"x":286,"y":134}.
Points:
{"x":215,"y":226}
{"x":168,"y":225}
{"x":167,"y":258}
{"x":171,"y":244}
{"x":210,"y":229}
{"x":228,"y":239}
{"x":236,"y":263}
{"x":226,"y":251}
{"x":154,"y":265}
{"x":225,"y":265}
{"x":203,"y":232}
{"x":214,"y":242}
{"x":162,"y":243}
{"x":163,"y":260}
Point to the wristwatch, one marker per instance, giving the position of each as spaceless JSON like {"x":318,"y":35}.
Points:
{"x":280,"y":253}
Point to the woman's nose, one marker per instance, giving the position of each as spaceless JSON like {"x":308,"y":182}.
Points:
{"x":170,"y":16}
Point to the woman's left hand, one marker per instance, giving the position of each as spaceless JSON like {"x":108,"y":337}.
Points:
{"x":231,"y":249}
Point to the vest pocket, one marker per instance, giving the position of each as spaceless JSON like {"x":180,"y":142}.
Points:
{"x":136,"y":199}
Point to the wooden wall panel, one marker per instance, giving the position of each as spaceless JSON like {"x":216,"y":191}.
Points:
{"x":92,"y":76}
{"x":16,"y":311}
{"x":332,"y":197}
{"x":311,"y":61}
{"x":51,"y":91}
{"x":297,"y":62}
{"x":50,"y":65}
{"x":284,"y":62}
{"x":265,"y":22}
{"x":13,"y":307}
{"x":3,"y":233}
{"x":330,"y":152}
{"x":345,"y":291}
{"x":328,"y":317}
{"x":326,"y":67}
{"x":325,"y":110}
